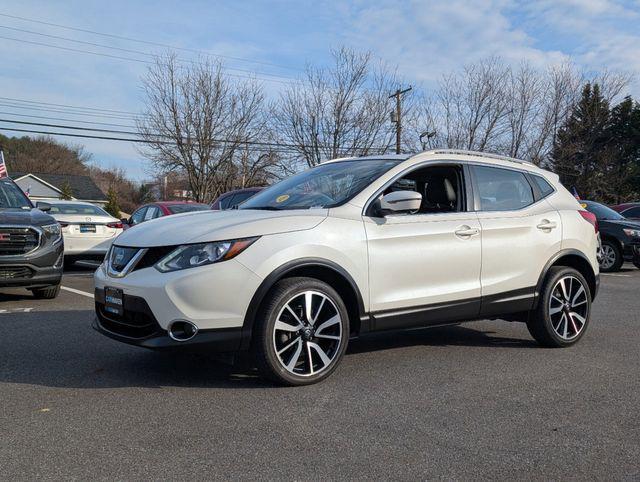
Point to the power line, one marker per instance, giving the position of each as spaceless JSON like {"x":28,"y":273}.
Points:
{"x":131,"y":59}
{"x":272,"y":145}
{"x":66,"y":120}
{"x":139,"y":52}
{"x":148,"y":42}
{"x":59,"y":111}
{"x":66,"y":105}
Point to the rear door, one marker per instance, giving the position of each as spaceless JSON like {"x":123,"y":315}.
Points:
{"x":521,"y":231}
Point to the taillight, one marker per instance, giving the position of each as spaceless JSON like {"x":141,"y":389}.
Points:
{"x":115,"y":225}
{"x":590,"y":218}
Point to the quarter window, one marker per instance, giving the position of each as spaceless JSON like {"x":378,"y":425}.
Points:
{"x":502,"y":189}
{"x":544,"y":187}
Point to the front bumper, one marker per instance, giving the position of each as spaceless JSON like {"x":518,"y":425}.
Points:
{"x":38,"y":269}
{"x":632,"y":252}
{"x":137,"y":326}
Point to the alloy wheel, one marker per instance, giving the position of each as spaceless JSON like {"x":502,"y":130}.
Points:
{"x":568,"y":307}
{"x":608,"y":256}
{"x":307,"y":333}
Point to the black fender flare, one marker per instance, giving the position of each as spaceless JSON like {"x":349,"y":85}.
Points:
{"x":552,"y":261}
{"x":279,"y":273}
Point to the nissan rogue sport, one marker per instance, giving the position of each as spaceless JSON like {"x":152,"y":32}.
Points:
{"x":354,"y":246}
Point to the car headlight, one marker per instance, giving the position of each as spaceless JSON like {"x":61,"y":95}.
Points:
{"x":52,"y":231}
{"x":201,"y":254}
{"x":632,"y":233}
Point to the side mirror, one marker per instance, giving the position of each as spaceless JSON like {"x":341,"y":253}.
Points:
{"x":43,"y":206}
{"x":125,"y":220}
{"x":400,"y":202}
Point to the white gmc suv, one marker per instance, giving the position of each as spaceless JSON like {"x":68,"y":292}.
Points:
{"x":355,"y":246}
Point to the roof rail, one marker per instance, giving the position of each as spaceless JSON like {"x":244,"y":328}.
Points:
{"x":482,"y":154}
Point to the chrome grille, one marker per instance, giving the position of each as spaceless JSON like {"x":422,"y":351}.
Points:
{"x":16,"y":240}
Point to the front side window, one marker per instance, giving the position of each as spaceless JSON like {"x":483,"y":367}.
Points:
{"x":138,"y":216}
{"x":152,"y":212}
{"x":325,"y":186}
{"x":441,"y":187}
{"x":12,"y":197}
{"x":502,"y":189}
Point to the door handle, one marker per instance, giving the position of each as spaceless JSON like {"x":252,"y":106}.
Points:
{"x":547,"y":225}
{"x":466,"y":231}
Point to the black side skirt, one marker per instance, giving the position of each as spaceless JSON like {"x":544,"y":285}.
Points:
{"x":503,"y":304}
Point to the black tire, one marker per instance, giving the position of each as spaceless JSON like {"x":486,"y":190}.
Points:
{"x":636,"y":262}
{"x":48,"y":293}
{"x":69,"y":262}
{"x":617,"y":260}
{"x":270,"y":343}
{"x":542,"y":325}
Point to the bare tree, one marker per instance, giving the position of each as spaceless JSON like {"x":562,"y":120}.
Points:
{"x":338,"y":111}
{"x":196,"y":121}
{"x":515,"y":111}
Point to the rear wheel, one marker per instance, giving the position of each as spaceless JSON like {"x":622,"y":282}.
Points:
{"x":611,"y":257}
{"x":47,"y":293}
{"x":564,"y":308}
{"x":301,"y":333}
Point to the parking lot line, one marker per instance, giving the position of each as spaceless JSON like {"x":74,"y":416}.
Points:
{"x":618,"y":275}
{"x":78,"y":292}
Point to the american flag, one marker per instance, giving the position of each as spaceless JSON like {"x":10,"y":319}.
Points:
{"x":3,"y":166}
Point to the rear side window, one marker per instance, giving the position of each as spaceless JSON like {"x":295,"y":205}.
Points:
{"x":544,"y":187}
{"x":502,"y":189}
{"x":632,"y":213}
{"x":226,"y":202}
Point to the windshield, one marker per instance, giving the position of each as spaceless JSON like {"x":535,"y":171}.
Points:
{"x":324,"y":186}
{"x":12,"y":197}
{"x":186,"y":208}
{"x":603,"y":212}
{"x":81,"y":209}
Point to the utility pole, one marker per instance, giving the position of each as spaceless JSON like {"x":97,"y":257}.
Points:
{"x":397,"y":119}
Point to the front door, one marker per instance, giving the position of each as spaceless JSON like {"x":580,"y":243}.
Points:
{"x":424,"y":268}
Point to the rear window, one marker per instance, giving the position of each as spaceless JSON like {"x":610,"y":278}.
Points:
{"x":82,"y":209}
{"x":186,"y":208}
{"x":543,"y":185}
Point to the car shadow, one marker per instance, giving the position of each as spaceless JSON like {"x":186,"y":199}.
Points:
{"x":60,"y":349}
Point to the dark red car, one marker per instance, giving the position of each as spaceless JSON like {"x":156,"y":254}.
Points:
{"x":159,"y":209}
{"x":231,"y":199}
{"x":628,"y":210}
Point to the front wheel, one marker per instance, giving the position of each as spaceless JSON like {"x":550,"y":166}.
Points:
{"x":301,"y":333}
{"x":564,"y":309}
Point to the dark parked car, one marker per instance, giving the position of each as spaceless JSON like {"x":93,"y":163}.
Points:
{"x":628,"y":210}
{"x":231,"y":199}
{"x":159,"y":209}
{"x":620,"y":237}
{"x":31,"y":244}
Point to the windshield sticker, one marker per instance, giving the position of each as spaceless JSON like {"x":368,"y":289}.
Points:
{"x":283,"y":198}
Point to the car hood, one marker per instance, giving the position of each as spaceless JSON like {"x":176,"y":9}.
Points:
{"x":204,"y":226}
{"x":24,"y":217}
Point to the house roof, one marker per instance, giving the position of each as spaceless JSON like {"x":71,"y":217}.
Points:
{"x":82,"y":187}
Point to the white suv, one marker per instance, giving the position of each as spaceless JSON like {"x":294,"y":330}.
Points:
{"x":354,"y":246}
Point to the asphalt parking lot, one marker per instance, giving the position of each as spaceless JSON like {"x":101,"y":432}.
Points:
{"x":479,"y":400}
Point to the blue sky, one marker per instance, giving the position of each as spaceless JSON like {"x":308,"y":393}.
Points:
{"x":424,"y":39}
